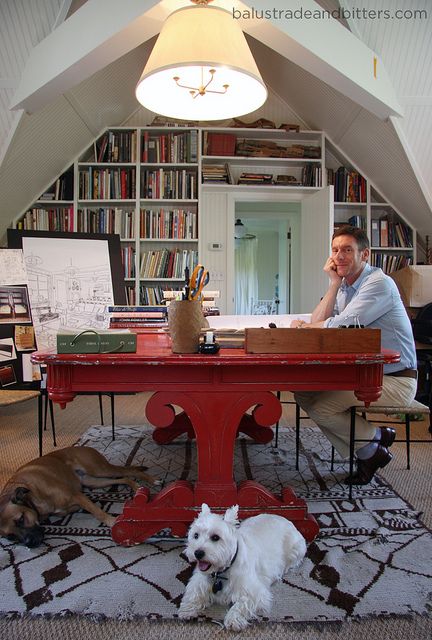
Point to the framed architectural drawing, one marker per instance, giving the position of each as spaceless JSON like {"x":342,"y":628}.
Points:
{"x":72,"y":277}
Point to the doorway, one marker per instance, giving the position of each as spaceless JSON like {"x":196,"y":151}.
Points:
{"x":264,"y":256}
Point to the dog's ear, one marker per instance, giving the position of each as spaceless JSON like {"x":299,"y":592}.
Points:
{"x":205,"y":509}
{"x":20,"y":495}
{"x":231,"y":515}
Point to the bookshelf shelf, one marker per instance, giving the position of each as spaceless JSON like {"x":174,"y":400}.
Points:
{"x":176,"y":240}
{"x":146,"y":163}
{"x":392,"y":238}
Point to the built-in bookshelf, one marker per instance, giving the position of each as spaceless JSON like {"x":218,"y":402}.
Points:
{"x":167,"y":226}
{"x":272,"y":158}
{"x":148,"y":185}
{"x":359,"y":203}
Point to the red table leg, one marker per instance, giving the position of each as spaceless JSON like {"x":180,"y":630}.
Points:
{"x":215,"y":425}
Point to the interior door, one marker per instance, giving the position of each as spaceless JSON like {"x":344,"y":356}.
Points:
{"x":317,"y":218}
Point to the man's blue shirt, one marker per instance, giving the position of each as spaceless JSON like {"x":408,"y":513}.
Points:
{"x":373,"y":300}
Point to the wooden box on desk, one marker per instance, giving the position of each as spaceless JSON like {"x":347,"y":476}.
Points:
{"x":339,"y":340}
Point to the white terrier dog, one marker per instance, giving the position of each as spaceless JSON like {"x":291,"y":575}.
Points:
{"x":237,"y":563}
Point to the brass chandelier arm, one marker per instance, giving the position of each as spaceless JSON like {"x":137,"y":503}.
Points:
{"x":203,"y":89}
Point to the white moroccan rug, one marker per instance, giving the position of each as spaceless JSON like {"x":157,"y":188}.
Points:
{"x":372,"y":557}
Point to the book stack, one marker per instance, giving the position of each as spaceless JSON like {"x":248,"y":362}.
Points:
{"x":138,"y":317}
{"x":255,"y":178}
{"x":216,"y":173}
{"x":219,"y":144}
{"x":270,"y":149}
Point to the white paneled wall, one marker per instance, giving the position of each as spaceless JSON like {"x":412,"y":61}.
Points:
{"x":216,"y":228}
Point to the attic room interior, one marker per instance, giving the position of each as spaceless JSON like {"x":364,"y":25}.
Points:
{"x":183,"y":185}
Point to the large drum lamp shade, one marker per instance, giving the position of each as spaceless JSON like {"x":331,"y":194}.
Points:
{"x":201,"y":68}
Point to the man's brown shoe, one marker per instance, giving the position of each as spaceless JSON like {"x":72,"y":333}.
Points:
{"x":366,"y":468}
{"x":388,"y":435}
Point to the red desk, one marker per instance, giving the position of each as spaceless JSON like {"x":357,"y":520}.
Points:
{"x":214,"y":392}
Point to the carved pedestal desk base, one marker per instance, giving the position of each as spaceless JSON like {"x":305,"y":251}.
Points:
{"x":214,"y":394}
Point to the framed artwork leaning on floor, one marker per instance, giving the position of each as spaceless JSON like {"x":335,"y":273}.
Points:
{"x":72,"y":277}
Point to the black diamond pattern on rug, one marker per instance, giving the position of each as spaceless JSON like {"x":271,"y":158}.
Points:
{"x":366,"y":548}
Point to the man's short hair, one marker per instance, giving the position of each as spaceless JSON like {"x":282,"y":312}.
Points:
{"x":358,"y":234}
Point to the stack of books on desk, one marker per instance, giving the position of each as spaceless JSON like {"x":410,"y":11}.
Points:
{"x":137,"y":317}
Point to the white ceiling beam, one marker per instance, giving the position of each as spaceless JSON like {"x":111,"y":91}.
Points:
{"x":301,"y":32}
{"x":100,"y":32}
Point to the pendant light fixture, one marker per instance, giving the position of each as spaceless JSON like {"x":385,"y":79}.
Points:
{"x":201,"y":67}
{"x":241,"y":232}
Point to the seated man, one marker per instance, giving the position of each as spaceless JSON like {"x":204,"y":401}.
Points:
{"x":364,"y":294}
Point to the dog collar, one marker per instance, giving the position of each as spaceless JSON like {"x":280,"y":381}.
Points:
{"x":217,"y":576}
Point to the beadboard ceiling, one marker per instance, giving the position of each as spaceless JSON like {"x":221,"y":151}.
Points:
{"x":395,"y":153}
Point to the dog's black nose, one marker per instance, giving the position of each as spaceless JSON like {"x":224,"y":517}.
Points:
{"x":199,"y":554}
{"x":33,"y":537}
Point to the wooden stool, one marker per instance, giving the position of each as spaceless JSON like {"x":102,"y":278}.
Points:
{"x":17,"y":395}
{"x":9,"y":397}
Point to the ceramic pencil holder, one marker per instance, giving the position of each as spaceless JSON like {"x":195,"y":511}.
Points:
{"x":185,"y":320}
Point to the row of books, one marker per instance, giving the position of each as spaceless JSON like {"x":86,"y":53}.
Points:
{"x":170,"y":147}
{"x":116,"y":146}
{"x":136,"y":317}
{"x":349,"y":185}
{"x":168,"y":223}
{"x":221,"y":173}
{"x":85,"y":220}
{"x":390,"y":262}
{"x":61,"y":189}
{"x":151,"y":295}
{"x":175,"y":184}
{"x":311,"y":175}
{"x":106,"y":184}
{"x":41,"y":219}
{"x":167,"y":263}
{"x":128,"y":261}
{"x":386,"y":233}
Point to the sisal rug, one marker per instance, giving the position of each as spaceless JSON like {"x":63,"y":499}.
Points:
{"x":371,"y":558}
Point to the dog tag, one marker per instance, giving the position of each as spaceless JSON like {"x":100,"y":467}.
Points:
{"x":217,"y":586}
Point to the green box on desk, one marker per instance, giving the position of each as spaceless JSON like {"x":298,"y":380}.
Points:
{"x":96,"y":341}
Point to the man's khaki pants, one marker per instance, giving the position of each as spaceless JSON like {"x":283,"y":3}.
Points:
{"x":331,"y":410}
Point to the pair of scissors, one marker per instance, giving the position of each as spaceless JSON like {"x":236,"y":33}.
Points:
{"x":200,"y":277}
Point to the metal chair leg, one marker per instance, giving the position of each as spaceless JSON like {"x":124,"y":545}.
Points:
{"x":40,"y":423}
{"x":51,"y":408}
{"x":101,"y":408}
{"x":45,"y":419}
{"x":332,"y":458}
{"x":297,"y":436}
{"x":351,"y":448}
{"x":276,"y":438}
{"x":408,"y":439}
{"x":112,"y":416}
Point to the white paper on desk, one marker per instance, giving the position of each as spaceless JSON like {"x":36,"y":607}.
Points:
{"x":241,"y":322}
{"x":12,"y":267}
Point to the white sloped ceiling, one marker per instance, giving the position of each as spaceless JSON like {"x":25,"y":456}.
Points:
{"x":43,"y":144}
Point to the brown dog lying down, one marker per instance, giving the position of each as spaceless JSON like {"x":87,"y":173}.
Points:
{"x":52,"y":484}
